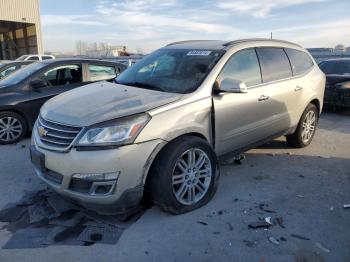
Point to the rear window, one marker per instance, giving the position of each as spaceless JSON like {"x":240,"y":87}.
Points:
{"x":45,"y":57}
{"x":300,"y":61}
{"x":33,"y":58}
{"x":274,"y":64}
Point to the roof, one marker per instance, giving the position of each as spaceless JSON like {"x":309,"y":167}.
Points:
{"x":80,"y":60}
{"x":219,"y":45}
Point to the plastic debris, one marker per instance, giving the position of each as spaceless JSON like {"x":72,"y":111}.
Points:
{"x":347,"y":206}
{"x":320,"y":246}
{"x":260,"y":224}
{"x":299,"y":237}
{"x":268,"y":220}
{"x":274,"y":241}
{"x":239,"y":159}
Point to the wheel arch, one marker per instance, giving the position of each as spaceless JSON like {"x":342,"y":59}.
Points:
{"x":154,"y":155}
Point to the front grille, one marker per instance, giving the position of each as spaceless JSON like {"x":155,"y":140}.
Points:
{"x":53,"y":177}
{"x":80,"y":185}
{"x":55,"y":135}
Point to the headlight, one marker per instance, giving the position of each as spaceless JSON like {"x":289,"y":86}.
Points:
{"x":118,"y":132}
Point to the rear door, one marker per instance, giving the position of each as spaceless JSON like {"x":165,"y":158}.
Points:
{"x":241,"y":118}
{"x":277,"y":77}
{"x":59,"y":79}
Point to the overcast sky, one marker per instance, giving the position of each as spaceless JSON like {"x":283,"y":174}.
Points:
{"x":150,"y":24}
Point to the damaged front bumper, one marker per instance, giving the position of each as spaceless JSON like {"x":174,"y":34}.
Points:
{"x":107,"y":181}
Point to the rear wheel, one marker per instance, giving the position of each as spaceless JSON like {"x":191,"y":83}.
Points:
{"x":184,"y":176}
{"x":12,"y":128}
{"x":306,"y":129}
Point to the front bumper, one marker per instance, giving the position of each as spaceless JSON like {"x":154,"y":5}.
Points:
{"x":336,"y":96}
{"x":131,"y":162}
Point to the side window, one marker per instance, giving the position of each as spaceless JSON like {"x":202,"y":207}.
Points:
{"x":301,"y":61}
{"x":274,"y":64}
{"x":63,"y":75}
{"x":33,"y":58}
{"x":101,"y":72}
{"x":243,"y":66}
{"x":45,"y":57}
{"x":8,"y":71}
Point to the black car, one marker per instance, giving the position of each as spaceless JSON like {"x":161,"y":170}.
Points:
{"x":337,"y":92}
{"x":26,"y":90}
{"x":8,"y":67}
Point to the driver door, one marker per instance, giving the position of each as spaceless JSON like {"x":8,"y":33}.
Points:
{"x":241,"y":119}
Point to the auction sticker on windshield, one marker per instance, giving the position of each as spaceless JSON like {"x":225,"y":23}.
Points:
{"x":204,"y":53}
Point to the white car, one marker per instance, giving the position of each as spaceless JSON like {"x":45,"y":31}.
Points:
{"x":35,"y":57}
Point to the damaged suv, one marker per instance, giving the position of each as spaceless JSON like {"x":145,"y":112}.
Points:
{"x":159,"y":130}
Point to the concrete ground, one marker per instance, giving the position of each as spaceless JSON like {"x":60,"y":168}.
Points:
{"x":307,"y":187}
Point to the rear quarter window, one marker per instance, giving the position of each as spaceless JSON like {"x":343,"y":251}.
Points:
{"x":101,"y":72}
{"x":300,"y":61}
{"x":274,"y":64}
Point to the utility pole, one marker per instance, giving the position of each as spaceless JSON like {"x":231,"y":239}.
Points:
{"x":271,"y":35}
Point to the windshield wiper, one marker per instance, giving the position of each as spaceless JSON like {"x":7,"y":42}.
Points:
{"x":143,"y":85}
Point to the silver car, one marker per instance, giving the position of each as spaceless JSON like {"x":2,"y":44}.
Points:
{"x":159,"y":130}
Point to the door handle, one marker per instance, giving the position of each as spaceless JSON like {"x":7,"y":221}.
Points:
{"x":298,"y":88}
{"x":263,"y":98}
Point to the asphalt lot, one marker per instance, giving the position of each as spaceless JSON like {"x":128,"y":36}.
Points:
{"x":306,"y":187}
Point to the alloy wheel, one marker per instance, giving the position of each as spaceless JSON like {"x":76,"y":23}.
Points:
{"x":191,"y":176}
{"x":309,"y":125}
{"x":10,"y":129}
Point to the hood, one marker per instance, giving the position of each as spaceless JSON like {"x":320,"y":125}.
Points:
{"x":335,"y":79}
{"x":103,"y":101}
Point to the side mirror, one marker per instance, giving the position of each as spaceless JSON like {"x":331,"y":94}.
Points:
{"x":230,"y":85}
{"x":37,"y":84}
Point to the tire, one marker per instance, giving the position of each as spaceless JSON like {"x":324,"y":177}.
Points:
{"x":298,"y":138}
{"x":16,"y":123}
{"x":165,"y":194}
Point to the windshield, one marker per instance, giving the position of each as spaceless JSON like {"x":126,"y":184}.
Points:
{"x":21,"y":74}
{"x":21,"y":58}
{"x":174,"y":71}
{"x":335,"y":67}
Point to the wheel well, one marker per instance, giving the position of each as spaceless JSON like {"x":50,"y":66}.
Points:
{"x":316,"y":103}
{"x":146,"y":199}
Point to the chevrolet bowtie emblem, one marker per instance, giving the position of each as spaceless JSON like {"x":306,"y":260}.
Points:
{"x":42,"y":131}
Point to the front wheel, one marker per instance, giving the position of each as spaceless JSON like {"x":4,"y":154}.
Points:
{"x":184,"y":176}
{"x":12,"y":127}
{"x":306,"y":129}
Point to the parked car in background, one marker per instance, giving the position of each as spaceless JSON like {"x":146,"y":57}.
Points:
{"x":8,"y":67}
{"x":23,"y":92}
{"x":35,"y":57}
{"x":161,"y":128}
{"x":337,"y":93}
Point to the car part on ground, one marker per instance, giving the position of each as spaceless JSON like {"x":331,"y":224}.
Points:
{"x":160,"y":128}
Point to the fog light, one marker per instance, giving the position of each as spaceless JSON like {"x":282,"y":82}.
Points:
{"x":98,"y":177}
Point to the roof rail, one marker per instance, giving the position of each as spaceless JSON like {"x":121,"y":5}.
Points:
{"x":188,"y":41}
{"x":257,"y":39}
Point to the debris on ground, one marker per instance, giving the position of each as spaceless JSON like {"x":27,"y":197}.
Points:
{"x":347,"y":206}
{"x":274,"y":241}
{"x":264,"y":207}
{"x":320,"y":246}
{"x":250,"y":243}
{"x":300,"y":237}
{"x":268,"y":220}
{"x":300,"y":196}
{"x":331,"y":208}
{"x":230,"y":227}
{"x":279,"y":221}
{"x":239,"y":159}
{"x":259,"y":224}
{"x":202,"y":223}
{"x":43,"y":218}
